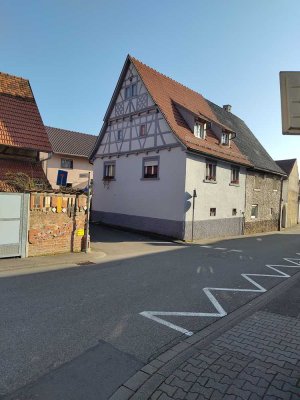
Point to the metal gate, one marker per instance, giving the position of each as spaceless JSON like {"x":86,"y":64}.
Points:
{"x":13,"y":224}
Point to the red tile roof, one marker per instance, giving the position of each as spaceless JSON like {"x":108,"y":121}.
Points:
{"x":20,"y":122}
{"x":33,"y":170}
{"x":166,"y":93}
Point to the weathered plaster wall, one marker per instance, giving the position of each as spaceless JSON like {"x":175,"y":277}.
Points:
{"x":263,"y":190}
{"x":221,"y":195}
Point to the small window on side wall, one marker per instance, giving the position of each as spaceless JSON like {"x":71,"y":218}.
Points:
{"x":211,"y":171}
{"x":213,"y":212}
{"x":66,"y":163}
{"x":235,"y":175}
{"x":119,"y":135}
{"x":143,"y":130}
{"x":109,"y":171}
{"x":254,"y":211}
{"x":234,"y":211}
{"x":150,"y":168}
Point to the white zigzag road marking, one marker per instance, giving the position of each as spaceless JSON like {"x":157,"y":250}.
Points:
{"x":154,"y":315}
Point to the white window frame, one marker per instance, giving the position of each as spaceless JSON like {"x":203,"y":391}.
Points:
{"x":200,"y":130}
{"x":150,"y":162}
{"x":235,"y":170}
{"x":225,"y":139}
{"x":109,"y":170}
{"x":256,"y":212}
{"x":211,"y":177}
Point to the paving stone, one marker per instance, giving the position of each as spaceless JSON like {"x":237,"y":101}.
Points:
{"x":136,"y":380}
{"x":122,"y":393}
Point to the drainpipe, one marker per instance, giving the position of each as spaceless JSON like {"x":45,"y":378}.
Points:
{"x":193,"y":217}
{"x":280,"y":205}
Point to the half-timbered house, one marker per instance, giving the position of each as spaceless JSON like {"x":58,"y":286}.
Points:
{"x":165,"y":163}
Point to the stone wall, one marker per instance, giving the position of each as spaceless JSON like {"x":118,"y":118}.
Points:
{"x":56,"y":223}
{"x":263,"y":190}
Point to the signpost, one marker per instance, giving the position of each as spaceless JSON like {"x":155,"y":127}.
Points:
{"x":62,"y":177}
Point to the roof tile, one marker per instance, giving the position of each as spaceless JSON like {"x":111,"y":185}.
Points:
{"x":70,"y":142}
{"x":20,"y":122}
{"x":166,"y":92}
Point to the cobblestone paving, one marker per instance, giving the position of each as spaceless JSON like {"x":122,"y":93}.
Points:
{"x":257,"y":359}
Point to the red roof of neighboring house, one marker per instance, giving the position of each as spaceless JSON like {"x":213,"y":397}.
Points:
{"x":166,"y":93}
{"x":20,"y":122}
{"x":33,"y":170}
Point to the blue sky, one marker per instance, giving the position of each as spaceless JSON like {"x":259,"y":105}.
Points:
{"x":231,"y":51}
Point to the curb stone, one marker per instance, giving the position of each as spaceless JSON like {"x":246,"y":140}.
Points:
{"x":145,"y":382}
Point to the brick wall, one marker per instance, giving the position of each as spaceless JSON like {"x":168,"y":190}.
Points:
{"x":263,"y":190}
{"x":55,"y":222}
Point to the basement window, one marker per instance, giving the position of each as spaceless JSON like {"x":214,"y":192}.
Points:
{"x":254,"y":211}
{"x":150,"y":168}
{"x":213,"y":212}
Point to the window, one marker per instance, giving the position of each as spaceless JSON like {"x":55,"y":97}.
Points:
{"x":225,"y":139}
{"x":275,"y":185}
{"x":257,"y":182}
{"x":133,"y":89}
{"x":109,"y":170}
{"x":272,"y":211}
{"x":210,"y":171}
{"x":234,"y":211}
{"x":142,"y":130}
{"x":130,"y":91}
{"x":254,"y":211}
{"x":66,"y":163}
{"x":213,"y":212}
{"x":150,"y":168}
{"x":127,"y":92}
{"x":199,"y":130}
{"x":119,"y":135}
{"x":235,"y":175}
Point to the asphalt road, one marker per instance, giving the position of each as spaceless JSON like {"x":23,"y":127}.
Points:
{"x":77,"y":333}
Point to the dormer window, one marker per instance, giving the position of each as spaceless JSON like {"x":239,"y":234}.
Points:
{"x":199,"y":130}
{"x":225,"y":139}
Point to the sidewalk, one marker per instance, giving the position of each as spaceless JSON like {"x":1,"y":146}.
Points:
{"x":253,"y":353}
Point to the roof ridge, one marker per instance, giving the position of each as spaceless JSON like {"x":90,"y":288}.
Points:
{"x":68,"y":130}
{"x":14,"y":76}
{"x":287,"y":159}
{"x":166,"y":76}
